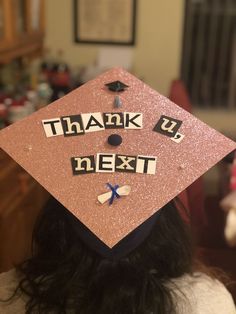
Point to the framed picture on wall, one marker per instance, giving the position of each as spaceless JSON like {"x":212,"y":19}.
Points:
{"x":105,"y":21}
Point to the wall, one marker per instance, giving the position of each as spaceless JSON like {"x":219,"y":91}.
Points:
{"x":221,"y":120}
{"x":157,"y":53}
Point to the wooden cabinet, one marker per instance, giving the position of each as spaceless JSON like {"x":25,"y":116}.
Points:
{"x":4,"y":30}
{"x":21,"y":199}
{"x":21,"y":28}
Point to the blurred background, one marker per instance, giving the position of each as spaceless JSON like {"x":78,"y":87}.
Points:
{"x":185,"y":49}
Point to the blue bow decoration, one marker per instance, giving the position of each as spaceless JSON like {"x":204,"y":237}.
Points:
{"x":114,"y":192}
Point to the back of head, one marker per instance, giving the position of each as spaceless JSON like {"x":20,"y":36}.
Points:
{"x":65,"y":273}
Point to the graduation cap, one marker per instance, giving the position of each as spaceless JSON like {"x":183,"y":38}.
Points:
{"x":114,"y":168}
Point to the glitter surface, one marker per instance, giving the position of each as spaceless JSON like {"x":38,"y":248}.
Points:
{"x":178,"y":164}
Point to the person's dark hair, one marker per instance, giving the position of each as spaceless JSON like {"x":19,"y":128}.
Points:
{"x":65,"y":275}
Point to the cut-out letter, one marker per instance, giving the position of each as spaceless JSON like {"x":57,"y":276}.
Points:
{"x":52,"y":127}
{"x":105,"y":163}
{"x":113,"y":120}
{"x":72,"y":125}
{"x":146,"y":164}
{"x":178,"y":137}
{"x":92,"y":122}
{"x":125,"y":163}
{"x":133,"y":120}
{"x":82,"y":165}
{"x":167,"y":126}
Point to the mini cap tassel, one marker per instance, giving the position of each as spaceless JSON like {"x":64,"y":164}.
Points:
{"x":117,"y":102}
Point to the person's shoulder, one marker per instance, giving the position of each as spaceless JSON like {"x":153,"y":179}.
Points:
{"x":8,"y":283}
{"x":205,"y":294}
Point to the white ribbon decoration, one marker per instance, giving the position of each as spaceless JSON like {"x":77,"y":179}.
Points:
{"x":122,"y":191}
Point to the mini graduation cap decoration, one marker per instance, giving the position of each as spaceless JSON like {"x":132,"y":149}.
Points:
{"x":158,"y":150}
{"x":116,"y":86}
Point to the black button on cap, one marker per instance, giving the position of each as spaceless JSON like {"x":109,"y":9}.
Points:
{"x":114,"y":140}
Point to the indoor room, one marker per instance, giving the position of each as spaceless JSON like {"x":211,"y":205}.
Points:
{"x":142,"y":205}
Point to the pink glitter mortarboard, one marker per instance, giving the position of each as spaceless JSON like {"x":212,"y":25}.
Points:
{"x":184,"y":148}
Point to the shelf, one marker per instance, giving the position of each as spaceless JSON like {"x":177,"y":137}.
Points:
{"x":20,"y":36}
{"x":30,"y":49}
